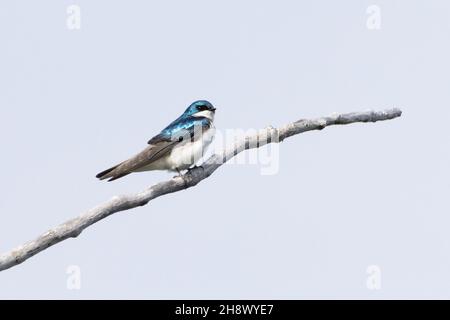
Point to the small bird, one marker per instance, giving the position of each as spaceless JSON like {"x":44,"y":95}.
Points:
{"x":177,"y":147}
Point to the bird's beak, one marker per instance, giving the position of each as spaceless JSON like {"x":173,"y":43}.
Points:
{"x":213,"y":109}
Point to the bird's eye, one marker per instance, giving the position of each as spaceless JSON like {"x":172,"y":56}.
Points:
{"x":202,"y":108}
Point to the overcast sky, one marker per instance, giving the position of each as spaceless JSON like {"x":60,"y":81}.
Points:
{"x":358,"y":211}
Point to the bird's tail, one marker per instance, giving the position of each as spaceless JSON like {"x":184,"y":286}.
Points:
{"x":106,"y":174}
{"x":111,"y":173}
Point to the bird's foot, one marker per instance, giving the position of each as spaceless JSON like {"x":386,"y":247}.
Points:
{"x":179,"y":174}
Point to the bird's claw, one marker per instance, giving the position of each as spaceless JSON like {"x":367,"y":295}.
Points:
{"x":179,"y":174}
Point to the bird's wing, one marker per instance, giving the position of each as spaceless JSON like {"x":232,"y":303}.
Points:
{"x":142,"y":159}
{"x":159,"y":146}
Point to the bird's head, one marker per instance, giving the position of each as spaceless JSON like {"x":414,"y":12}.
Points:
{"x":201,"y":108}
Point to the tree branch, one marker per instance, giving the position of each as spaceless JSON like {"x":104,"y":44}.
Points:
{"x":74,"y":227}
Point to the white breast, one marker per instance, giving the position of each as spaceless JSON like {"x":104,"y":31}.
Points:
{"x":185,"y":155}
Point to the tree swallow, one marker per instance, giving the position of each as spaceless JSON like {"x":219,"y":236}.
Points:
{"x":177,"y":147}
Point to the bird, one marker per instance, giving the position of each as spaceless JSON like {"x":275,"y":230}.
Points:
{"x":177,"y":147}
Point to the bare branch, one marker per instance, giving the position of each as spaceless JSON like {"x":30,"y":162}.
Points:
{"x":74,"y":227}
